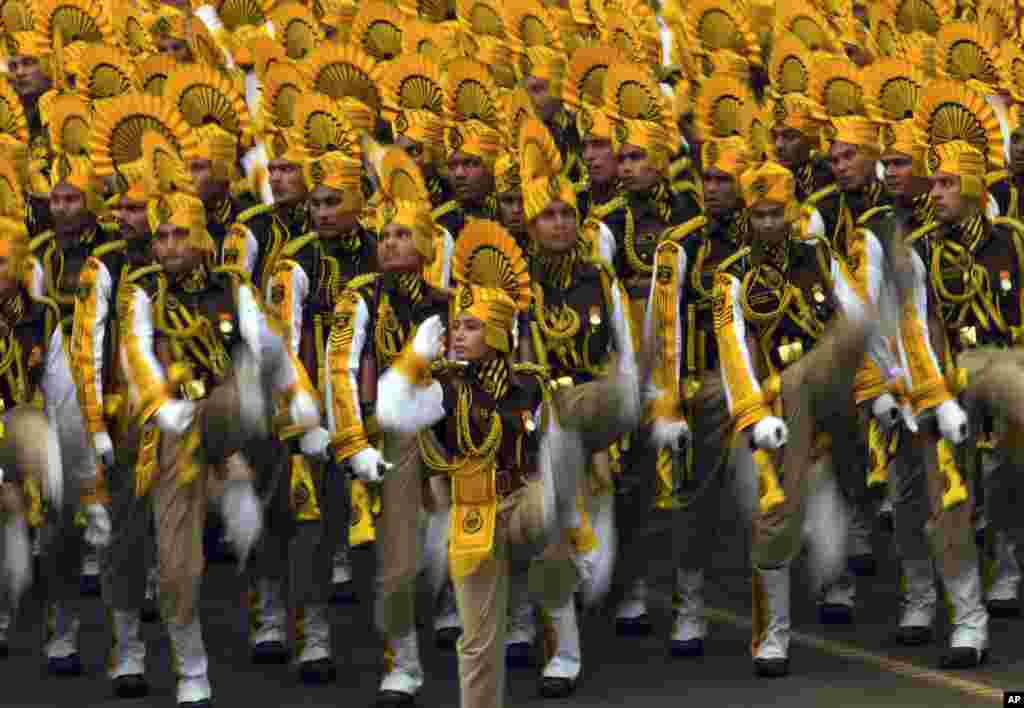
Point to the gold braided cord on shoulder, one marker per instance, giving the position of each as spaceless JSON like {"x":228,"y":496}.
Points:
{"x":236,"y":13}
{"x":539,"y":157}
{"x":948,"y":110}
{"x":1011,"y":67}
{"x":121,"y":123}
{"x":12,"y":114}
{"x":807,"y":23}
{"x":486,"y":255}
{"x":530,"y":24}
{"x":837,"y":87}
{"x":74,"y":20}
{"x":324,"y":127}
{"x":167,"y":170}
{"x":586,"y":75}
{"x":789,"y":69}
{"x":480,"y":17}
{"x":413,"y":83}
{"x":891,"y":88}
{"x":297,"y":29}
{"x":105,"y":71}
{"x":631,"y":91}
{"x":472,"y":93}
{"x":965,"y":53}
{"x":345,"y":70}
{"x":284,"y":84}
{"x":923,"y":15}
{"x":202,"y":94}
{"x":69,"y":122}
{"x":377,"y":29}
{"x":723,"y":108}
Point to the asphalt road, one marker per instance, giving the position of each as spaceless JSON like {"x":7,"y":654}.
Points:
{"x":847,"y":666}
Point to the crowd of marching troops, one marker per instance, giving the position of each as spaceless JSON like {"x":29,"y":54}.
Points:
{"x":502,"y":288}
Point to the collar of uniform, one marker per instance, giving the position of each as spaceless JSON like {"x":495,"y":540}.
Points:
{"x":408,"y":285}
{"x":220,"y":213}
{"x":971,"y":233}
{"x":656,"y":203}
{"x":732,"y":228}
{"x":805,"y":178}
{"x":863,"y":199}
{"x":196,"y":280}
{"x":923,"y":209}
{"x":774,"y":255}
{"x":557,"y":269}
{"x":12,"y":310}
{"x":491,"y":375}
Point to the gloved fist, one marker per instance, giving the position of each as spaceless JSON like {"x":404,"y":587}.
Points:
{"x":770,"y":433}
{"x":104,"y":447}
{"x":243,"y":517}
{"x":429,"y":338}
{"x":886,"y":411}
{"x":174,"y":417}
{"x":314,"y":443}
{"x":952,"y":422}
{"x":368,"y":465}
{"x":97,"y":525}
{"x":17,"y":554}
{"x":670,"y":433}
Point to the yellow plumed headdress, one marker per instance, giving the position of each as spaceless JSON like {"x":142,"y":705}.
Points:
{"x":284,"y":85}
{"x":341,"y":71}
{"x":377,"y":29}
{"x":807,"y":24}
{"x":14,"y":246}
{"x":903,"y":137}
{"x":790,"y":67}
{"x":924,"y":15}
{"x":324,"y":127}
{"x":769,"y":182}
{"x":891,"y":89}
{"x":105,"y":71}
{"x":471,"y":93}
{"x":12,"y":114}
{"x":721,"y":25}
{"x":12,"y":197}
{"x":960,"y":158}
{"x":965,"y":53}
{"x":723,"y":108}
{"x":540,"y":170}
{"x":837,"y":87}
{"x":414,"y":96}
{"x":74,"y":20}
{"x":949,"y":111}
{"x":404,"y":198}
{"x":586,"y":74}
{"x":731,"y":155}
{"x":203,"y":95}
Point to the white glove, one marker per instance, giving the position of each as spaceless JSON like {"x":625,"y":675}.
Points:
{"x":770,"y":433}
{"x":243,"y":517}
{"x":97,"y":525}
{"x":104,"y":449}
{"x":304,"y":411}
{"x":314,"y":443}
{"x":669,"y":433}
{"x":952,"y":422}
{"x":429,"y":338}
{"x":175,"y":416}
{"x":909,"y":419}
{"x":886,"y":411}
{"x":17,"y":571}
{"x":368,"y":463}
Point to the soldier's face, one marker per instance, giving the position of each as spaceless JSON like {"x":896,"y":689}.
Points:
{"x":134,"y":219}
{"x":68,"y":209}
{"x":768,"y":221}
{"x":555,"y":228}
{"x":27,"y":76}
{"x":415,"y":150}
{"x":173,"y":250}
{"x":1017,"y":152}
{"x":853,"y":166}
{"x":210,"y":189}
{"x":791,"y":148}
{"x":951,"y":206}
{"x":721,"y":197}
{"x":599,"y":156}
{"x":539,"y":91}
{"x":333,"y":212}
{"x":286,"y":182}
{"x":176,"y":48}
{"x":899,"y":175}
{"x":470,"y":178}
{"x":396,"y":251}
{"x":510,"y":211}
{"x":467,"y":336}
{"x":635,"y":171}
{"x":8,"y":278}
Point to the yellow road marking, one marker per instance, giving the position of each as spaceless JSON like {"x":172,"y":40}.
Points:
{"x":895,"y":666}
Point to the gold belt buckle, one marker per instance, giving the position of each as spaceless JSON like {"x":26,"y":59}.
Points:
{"x":194,"y":390}
{"x":968,"y":337}
{"x":789,"y":353}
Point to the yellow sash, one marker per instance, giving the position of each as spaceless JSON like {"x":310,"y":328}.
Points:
{"x":474,"y":515}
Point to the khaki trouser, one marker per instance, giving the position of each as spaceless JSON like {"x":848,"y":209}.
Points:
{"x":180,"y":509}
{"x":817,"y":396}
{"x":482,"y":596}
{"x":701,"y":495}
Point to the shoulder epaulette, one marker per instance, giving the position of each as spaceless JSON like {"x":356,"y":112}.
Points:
{"x":733,"y":265}
{"x":600,"y":211}
{"x":255,"y":211}
{"x":684,"y":187}
{"x":35,"y":244}
{"x":821,"y":194}
{"x":537,"y":371}
{"x":108,"y":227}
{"x":295,"y":245}
{"x":922,"y":231}
{"x":581,"y":187}
{"x":446,"y":208}
{"x":998,"y":176}
{"x":872,"y":213}
{"x":691,"y":226}
{"x":361,"y":280}
{"x":140,"y":273}
{"x":111,"y":247}
{"x":1015,"y":224}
